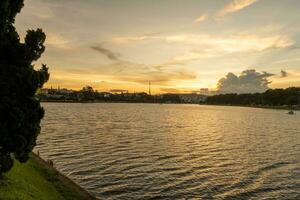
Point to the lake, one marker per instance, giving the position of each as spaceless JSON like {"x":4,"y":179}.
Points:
{"x":153,"y":151}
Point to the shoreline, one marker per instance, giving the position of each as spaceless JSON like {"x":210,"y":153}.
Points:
{"x":125,"y":102}
{"x":38,"y":179}
{"x":64,"y":179}
{"x":262,"y":107}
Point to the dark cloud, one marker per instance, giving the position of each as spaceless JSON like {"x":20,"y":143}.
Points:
{"x":169,"y":63}
{"x":283,"y":74}
{"x":249,"y":81}
{"x":157,"y":78}
{"x":132,"y":72}
{"x":107,"y":52}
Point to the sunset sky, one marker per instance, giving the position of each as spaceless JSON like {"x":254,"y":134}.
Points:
{"x":179,"y":45}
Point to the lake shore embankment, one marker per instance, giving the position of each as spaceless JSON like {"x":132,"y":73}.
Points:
{"x":38,"y":179}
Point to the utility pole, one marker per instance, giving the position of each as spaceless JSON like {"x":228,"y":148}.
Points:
{"x":150,"y":88}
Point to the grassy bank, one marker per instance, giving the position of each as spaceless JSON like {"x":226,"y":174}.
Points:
{"x":37,"y":180}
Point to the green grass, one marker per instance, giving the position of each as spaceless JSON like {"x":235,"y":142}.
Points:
{"x":34,"y":180}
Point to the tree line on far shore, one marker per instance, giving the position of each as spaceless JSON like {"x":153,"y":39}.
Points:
{"x":272,"y":97}
{"x":88,"y":94}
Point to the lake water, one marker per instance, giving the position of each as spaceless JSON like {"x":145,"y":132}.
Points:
{"x":152,"y":151}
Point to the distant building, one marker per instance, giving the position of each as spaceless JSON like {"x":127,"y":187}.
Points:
{"x":117,"y":91}
{"x":192,"y":98}
{"x":56,"y":93}
{"x":65,"y":91}
{"x":204,"y":91}
{"x":207,"y":92}
{"x":106,"y":94}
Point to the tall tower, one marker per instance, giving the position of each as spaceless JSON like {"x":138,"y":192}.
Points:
{"x":150,"y":88}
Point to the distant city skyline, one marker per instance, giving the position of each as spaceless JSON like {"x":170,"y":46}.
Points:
{"x":178,"y":45}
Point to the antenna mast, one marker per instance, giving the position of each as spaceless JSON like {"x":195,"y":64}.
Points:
{"x":150,"y":88}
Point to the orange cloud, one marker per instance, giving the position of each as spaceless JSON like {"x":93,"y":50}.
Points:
{"x":201,"y":18}
{"x":234,"y":6}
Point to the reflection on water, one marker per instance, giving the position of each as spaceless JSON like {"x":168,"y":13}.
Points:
{"x":150,"y":151}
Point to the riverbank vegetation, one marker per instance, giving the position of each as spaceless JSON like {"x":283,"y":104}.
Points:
{"x":88,"y":94}
{"x":272,"y":98}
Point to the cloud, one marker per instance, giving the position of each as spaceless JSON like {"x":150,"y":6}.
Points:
{"x":137,"y":38}
{"x":42,"y":10}
{"x":291,"y":80}
{"x":163,"y":74}
{"x":170,"y":90}
{"x":219,"y":44}
{"x":287,"y":60}
{"x":57,"y":41}
{"x":107,"y":52}
{"x":201,"y":18}
{"x":179,"y":90}
{"x":159,"y":78}
{"x":283,"y":74}
{"x":232,"y":7}
{"x":128,"y":72}
{"x":249,"y":81}
{"x":235,"y":6}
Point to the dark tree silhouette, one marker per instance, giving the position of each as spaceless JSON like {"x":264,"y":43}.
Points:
{"x":87,"y":93}
{"x":272,"y":97}
{"x":172,"y":98}
{"x":20,"y":111}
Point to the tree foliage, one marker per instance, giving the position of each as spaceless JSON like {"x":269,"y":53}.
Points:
{"x":87,"y":93}
{"x":272,"y":97}
{"x":20,"y":111}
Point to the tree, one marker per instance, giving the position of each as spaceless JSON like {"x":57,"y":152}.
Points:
{"x":272,"y":97}
{"x":171,"y":98}
{"x":88,"y":93}
{"x":20,"y":111}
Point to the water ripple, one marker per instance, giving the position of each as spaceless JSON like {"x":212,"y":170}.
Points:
{"x":145,"y":151}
